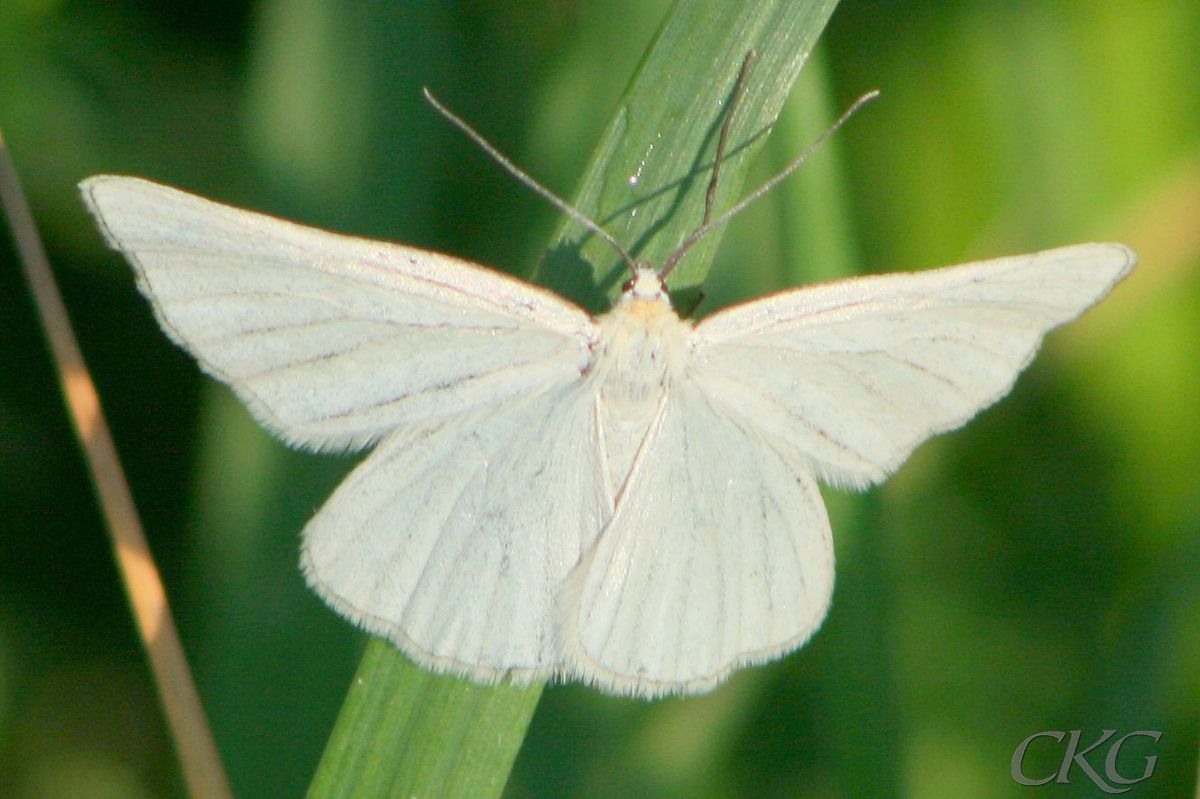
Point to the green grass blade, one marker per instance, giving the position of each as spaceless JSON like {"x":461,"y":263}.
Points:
{"x":403,"y":731}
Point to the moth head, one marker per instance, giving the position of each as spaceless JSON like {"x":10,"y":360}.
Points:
{"x":645,"y":287}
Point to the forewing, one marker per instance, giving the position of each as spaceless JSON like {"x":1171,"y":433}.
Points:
{"x":453,"y":537}
{"x":718,"y":555}
{"x":331,"y":340}
{"x":857,"y":373}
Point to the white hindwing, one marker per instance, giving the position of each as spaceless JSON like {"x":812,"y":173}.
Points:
{"x":454,"y":536}
{"x":333,"y":341}
{"x":718,"y":555}
{"x":857,"y":373}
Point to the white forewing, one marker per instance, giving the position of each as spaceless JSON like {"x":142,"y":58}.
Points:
{"x":453,"y":537}
{"x":331,"y":340}
{"x":718,"y":555}
{"x":857,"y":373}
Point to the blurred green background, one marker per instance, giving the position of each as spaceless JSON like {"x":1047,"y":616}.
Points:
{"x":1039,"y":570}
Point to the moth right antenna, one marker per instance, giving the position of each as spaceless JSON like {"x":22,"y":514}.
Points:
{"x":707,"y":227}
{"x":525,"y":178}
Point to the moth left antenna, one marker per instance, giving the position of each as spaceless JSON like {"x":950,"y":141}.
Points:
{"x":525,"y":178}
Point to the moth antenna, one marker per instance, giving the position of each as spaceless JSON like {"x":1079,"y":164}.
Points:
{"x":525,"y":178}
{"x":708,"y":226}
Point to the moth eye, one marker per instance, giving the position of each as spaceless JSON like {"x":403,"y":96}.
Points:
{"x":627,"y":286}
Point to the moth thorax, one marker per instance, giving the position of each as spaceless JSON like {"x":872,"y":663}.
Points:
{"x":640,"y":351}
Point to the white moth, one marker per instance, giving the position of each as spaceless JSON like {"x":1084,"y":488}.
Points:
{"x":629,"y":500}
